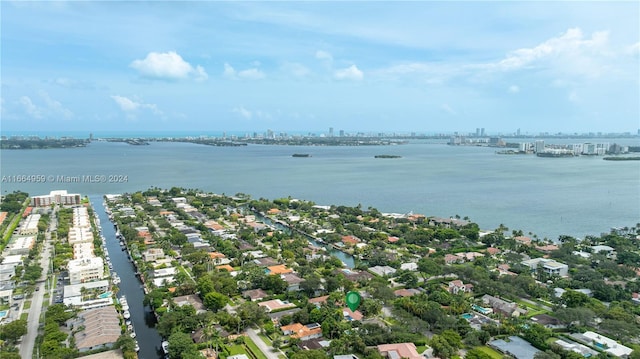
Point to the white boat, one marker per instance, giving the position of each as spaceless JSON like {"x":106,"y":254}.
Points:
{"x":165,"y":347}
{"x":125,"y":307}
{"x":137,"y":348}
{"x":132,"y":335}
{"x":126,"y":314}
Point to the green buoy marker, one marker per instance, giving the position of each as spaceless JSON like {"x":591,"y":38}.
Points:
{"x":353,"y":300}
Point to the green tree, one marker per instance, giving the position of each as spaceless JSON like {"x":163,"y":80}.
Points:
{"x":476,"y":353}
{"x":215,"y":301}
{"x":442,"y":348}
{"x":14,"y":330}
{"x":181,"y":346}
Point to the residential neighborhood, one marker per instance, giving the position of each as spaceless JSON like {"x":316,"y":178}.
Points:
{"x":237,"y":277}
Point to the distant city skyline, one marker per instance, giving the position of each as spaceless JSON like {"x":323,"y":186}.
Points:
{"x":423,"y":67}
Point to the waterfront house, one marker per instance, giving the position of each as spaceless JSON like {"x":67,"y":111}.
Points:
{"x":99,"y":328}
{"x":350,"y":240}
{"x":523,"y":240}
{"x":85,"y":270}
{"x":447,"y":222}
{"x":152,"y":254}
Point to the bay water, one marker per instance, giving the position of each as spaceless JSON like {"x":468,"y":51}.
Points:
{"x":545,"y":196}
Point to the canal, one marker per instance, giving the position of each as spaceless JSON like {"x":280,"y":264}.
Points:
{"x":130,"y":286}
{"x":348,"y":260}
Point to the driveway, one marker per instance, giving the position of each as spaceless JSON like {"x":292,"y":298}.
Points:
{"x":264,"y":348}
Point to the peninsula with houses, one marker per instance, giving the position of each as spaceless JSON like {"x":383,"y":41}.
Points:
{"x":242,"y":278}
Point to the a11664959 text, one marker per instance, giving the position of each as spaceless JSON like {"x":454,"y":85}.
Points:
{"x":61,"y":178}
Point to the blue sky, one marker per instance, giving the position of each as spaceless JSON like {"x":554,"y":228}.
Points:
{"x":307,"y":66}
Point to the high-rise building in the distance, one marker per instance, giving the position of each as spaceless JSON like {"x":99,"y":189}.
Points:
{"x":330,"y":131}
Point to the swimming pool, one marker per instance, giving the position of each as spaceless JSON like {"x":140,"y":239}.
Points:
{"x":105,"y":295}
{"x":3,"y":313}
{"x":467,"y":316}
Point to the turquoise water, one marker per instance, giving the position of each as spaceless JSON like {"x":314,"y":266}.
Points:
{"x":545,"y":196}
{"x":3,"y":313}
{"x":105,"y":295}
{"x":480,"y":309}
{"x":467,"y":316}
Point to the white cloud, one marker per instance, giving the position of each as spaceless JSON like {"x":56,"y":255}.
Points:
{"x":56,"y":107}
{"x":350,"y":73}
{"x":514,"y":89}
{"x":131,"y":107}
{"x":248,"y":74}
{"x":31,"y":109}
{"x":243,"y":112}
{"x":168,"y":66}
{"x":324,"y":56}
{"x":50,"y":109}
{"x":633,"y":49}
{"x":570,"y":51}
{"x":251,"y":74}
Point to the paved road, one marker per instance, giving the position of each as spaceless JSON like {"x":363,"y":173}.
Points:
{"x":29,"y":339}
{"x":264,"y":348}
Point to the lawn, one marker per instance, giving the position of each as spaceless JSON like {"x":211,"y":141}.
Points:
{"x":265,"y":339}
{"x":494,"y":354}
{"x":254,"y":348}
{"x":236,"y":349}
{"x":27,"y":305}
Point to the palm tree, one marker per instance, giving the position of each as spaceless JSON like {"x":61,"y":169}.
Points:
{"x":212,"y":336}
